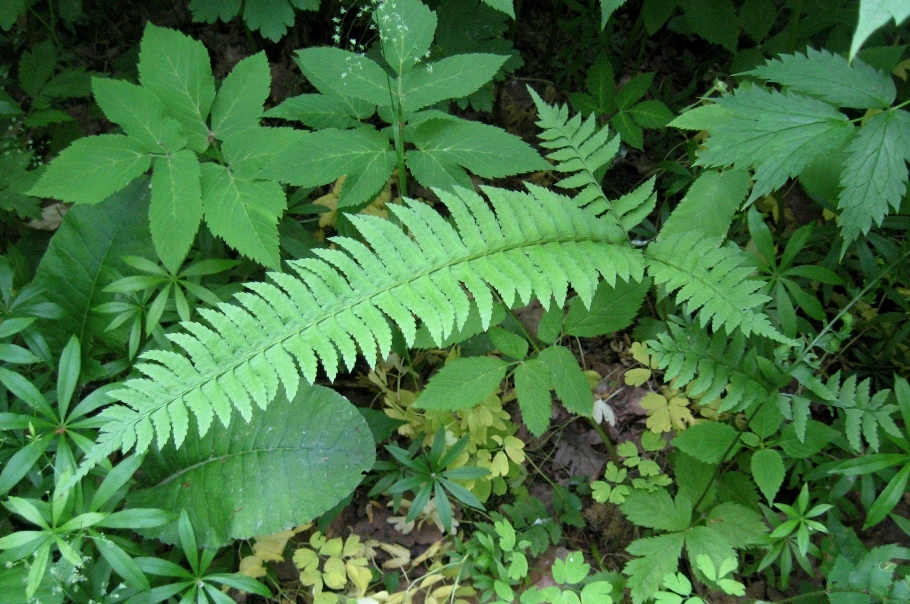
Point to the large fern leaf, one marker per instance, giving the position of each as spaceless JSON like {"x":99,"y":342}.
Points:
{"x":584,"y":151}
{"x":714,"y":281}
{"x":711,"y":366}
{"x":341,"y":302}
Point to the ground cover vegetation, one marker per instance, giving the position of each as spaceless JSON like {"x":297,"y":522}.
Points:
{"x":454,"y":301}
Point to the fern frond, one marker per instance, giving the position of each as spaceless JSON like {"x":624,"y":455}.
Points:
{"x":584,"y":150}
{"x":711,"y":366}
{"x":339,"y":305}
{"x":713,"y":281}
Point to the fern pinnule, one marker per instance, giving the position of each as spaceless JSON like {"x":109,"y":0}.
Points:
{"x":340,"y":304}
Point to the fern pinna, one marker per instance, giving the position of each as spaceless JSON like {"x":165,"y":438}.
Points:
{"x":527,"y":245}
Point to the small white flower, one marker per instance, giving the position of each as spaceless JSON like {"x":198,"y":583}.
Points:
{"x":603,"y":411}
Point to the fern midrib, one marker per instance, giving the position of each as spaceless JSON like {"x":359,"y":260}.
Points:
{"x":324,"y":317}
{"x":693,"y":275}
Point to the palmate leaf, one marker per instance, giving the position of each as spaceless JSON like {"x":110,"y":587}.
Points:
{"x":713,"y":280}
{"x":343,"y":299}
{"x":779,"y":133}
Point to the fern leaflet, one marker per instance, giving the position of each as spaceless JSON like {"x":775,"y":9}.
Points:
{"x":863,"y":413}
{"x":341,"y":302}
{"x":584,"y":150}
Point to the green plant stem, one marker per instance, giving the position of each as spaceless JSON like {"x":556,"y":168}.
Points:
{"x":605,"y":438}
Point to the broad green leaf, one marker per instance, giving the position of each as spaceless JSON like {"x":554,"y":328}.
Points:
{"x":706,"y":117}
{"x":436,"y":171}
{"x":406,"y":29}
{"x":84,"y":256}
{"x":239,"y":103}
{"x":321,"y":157}
{"x":508,"y":343}
{"x":13,"y":579}
{"x":713,"y":20}
{"x":345,"y":73}
{"x":705,"y":541}
{"x":532,"y":389}
{"x":875,"y":172}
{"x":738,"y":524}
{"x":93,"y":168}
{"x":243,"y":212}
{"x":248,"y":464}
{"x":567,"y":378}
{"x":607,"y":8}
{"x":177,"y":69}
{"x":249,"y":151}
{"x":778,"y":133}
{"x":660,"y":557}
{"x":320,"y":111}
{"x":366,"y":183}
{"x":628,"y":130}
{"x":140,"y":113}
{"x":651,"y":114}
{"x":36,"y":66}
{"x":601,"y":83}
{"x":874,"y":14}
{"x":633,"y":90}
{"x":209,"y":11}
{"x":462,"y":384}
{"x":708,"y":441}
{"x":572,"y":570}
{"x":817,"y":436}
{"x":709,"y":205}
{"x":657,"y":510}
{"x":450,"y":78}
{"x":831,"y":78}
{"x":757,"y":18}
{"x":484,"y":150}
{"x":176,"y":207}
{"x":768,"y":471}
{"x":612,"y":309}
{"x":271,"y":18}
{"x":503,"y":6}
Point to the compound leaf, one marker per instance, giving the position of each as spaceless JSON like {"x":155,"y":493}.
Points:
{"x":780,"y":133}
{"x":140,"y":113}
{"x":484,"y":150}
